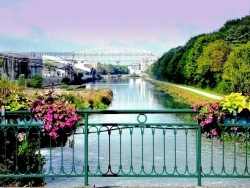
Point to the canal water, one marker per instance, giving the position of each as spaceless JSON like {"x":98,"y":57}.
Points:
{"x":135,"y":93}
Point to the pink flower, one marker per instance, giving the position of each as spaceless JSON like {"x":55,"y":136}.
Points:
{"x":56,"y":116}
{"x":62,"y":125}
{"x":50,"y":111}
{"x":48,"y":126}
{"x":68,"y":122}
{"x":235,"y":128}
{"x":48,"y":117}
{"x":209,"y":120}
{"x":211,"y":110}
{"x":219,"y":141}
{"x":61,"y":116}
{"x":53,"y":134}
{"x":214,"y":132}
{"x":195,"y":118}
{"x":202,"y":124}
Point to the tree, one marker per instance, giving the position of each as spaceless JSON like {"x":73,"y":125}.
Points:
{"x":195,"y":52}
{"x":237,"y":69}
{"x":211,"y":63}
{"x":50,"y":65}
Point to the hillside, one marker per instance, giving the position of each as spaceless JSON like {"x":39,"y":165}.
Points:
{"x":219,"y":60}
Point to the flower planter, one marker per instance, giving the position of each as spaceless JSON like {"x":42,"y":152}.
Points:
{"x":238,"y":118}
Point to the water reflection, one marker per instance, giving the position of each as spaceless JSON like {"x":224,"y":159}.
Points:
{"x":138,"y":94}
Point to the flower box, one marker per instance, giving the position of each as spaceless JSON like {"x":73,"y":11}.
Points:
{"x":238,"y":118}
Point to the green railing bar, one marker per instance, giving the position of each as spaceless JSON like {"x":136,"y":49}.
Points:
{"x":199,"y":156}
{"x":86,"y":150}
{"x":136,"y":111}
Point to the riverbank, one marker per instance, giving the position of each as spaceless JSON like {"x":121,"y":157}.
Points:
{"x":184,"y":94}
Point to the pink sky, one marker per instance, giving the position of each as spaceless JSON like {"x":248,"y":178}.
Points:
{"x":74,"y":25}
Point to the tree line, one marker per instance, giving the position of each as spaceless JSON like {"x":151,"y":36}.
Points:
{"x":219,"y":60}
{"x":105,"y":69}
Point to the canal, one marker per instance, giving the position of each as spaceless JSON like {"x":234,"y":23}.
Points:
{"x":135,"y":93}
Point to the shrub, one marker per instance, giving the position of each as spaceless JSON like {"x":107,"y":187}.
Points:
{"x":64,"y":86}
{"x":36,"y":81}
{"x":76,"y":99}
{"x":21,"y":81}
{"x":12,"y":96}
{"x":57,"y":114}
{"x":70,"y":88}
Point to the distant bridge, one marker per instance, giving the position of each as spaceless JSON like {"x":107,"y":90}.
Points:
{"x":102,"y":54}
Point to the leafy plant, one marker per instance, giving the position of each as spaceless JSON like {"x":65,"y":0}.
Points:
{"x":70,"y":88}
{"x":76,"y":100}
{"x":12,"y":96}
{"x":21,"y":81}
{"x":35,"y":81}
{"x":64,"y":86}
{"x":235,"y":101}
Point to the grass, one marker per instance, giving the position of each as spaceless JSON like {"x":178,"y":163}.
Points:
{"x":181,"y":95}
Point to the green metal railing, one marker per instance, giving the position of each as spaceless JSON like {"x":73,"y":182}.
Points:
{"x":141,"y":143}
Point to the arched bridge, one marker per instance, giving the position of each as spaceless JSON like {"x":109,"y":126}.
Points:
{"x":103,"y":54}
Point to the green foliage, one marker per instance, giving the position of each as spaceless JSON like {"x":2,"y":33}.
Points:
{"x":105,"y":69}
{"x":36,"y":81}
{"x":70,"y":88}
{"x":90,"y":99}
{"x":21,"y":153}
{"x":76,"y":99}
{"x":1,"y":62}
{"x":235,"y":101}
{"x":64,"y":86}
{"x":12,"y":96}
{"x":218,"y":60}
{"x":237,"y":69}
{"x":191,"y":66}
{"x":134,"y":75}
{"x":211,"y":63}
{"x":50,"y":65}
{"x":21,"y":81}
{"x":236,"y":32}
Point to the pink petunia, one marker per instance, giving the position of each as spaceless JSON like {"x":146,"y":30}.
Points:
{"x":202,"y":124}
{"x":235,"y":128}
{"x":56,"y":116}
{"x":214,"y":132}
{"x":53,"y":134}
{"x":209,"y":120}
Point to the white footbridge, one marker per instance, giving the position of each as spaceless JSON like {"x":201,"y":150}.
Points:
{"x":139,"y":58}
{"x":103,"y":54}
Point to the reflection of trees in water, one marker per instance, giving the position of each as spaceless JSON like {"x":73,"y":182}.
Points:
{"x":169,"y":102}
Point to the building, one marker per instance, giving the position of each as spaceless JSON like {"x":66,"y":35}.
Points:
{"x":15,"y":65}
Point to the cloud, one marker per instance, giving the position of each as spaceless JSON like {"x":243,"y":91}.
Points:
{"x":81,"y":23}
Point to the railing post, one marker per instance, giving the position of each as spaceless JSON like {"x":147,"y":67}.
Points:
{"x":199,"y":167}
{"x":86,"y":149}
{"x":3,"y":115}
